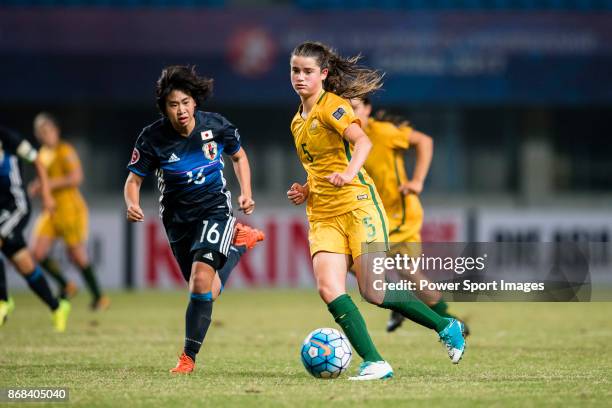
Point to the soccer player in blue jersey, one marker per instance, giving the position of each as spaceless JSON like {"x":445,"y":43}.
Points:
{"x":184,"y":148}
{"x":14,"y":215}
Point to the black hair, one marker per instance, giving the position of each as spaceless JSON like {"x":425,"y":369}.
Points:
{"x":183,"y":78}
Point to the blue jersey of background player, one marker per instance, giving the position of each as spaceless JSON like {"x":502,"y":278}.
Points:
{"x":184,"y":150}
{"x":14,"y":215}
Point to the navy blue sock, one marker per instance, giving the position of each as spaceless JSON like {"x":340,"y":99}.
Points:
{"x":197,"y":321}
{"x":233,"y":257}
{"x":38,"y":284}
{"x":3,"y":290}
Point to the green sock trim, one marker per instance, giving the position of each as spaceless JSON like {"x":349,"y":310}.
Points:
{"x":406,"y":303}
{"x":91,"y":281}
{"x":348,"y":317}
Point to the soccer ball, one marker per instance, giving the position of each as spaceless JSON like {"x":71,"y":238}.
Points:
{"x":326,"y":353}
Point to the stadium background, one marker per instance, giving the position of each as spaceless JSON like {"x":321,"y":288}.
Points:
{"x":517,"y":95}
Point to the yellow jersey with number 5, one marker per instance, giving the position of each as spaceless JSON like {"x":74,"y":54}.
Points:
{"x":323,"y":150}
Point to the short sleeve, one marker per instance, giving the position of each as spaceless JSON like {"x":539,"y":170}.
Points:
{"x":231,"y":138}
{"x":143,"y":160}
{"x":399,"y":138}
{"x":70,"y":158}
{"x":338,"y":115}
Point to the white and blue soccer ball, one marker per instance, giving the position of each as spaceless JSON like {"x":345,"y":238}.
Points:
{"x":326,"y":353}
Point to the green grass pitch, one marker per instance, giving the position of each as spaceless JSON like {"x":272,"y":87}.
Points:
{"x":520,"y":354}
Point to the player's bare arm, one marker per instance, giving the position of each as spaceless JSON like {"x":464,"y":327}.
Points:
{"x":424,"y":153}
{"x":131,"y":194}
{"x":243,"y":173}
{"x":354,"y":135}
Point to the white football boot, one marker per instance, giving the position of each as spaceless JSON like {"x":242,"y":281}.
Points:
{"x":373,"y":370}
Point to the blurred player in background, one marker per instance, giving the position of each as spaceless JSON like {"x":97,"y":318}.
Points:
{"x":343,"y":208}
{"x":184,"y":148}
{"x":14,"y":215}
{"x":391,"y":137}
{"x":70,"y":220}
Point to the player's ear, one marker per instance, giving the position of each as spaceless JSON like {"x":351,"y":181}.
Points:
{"x":324,"y":73}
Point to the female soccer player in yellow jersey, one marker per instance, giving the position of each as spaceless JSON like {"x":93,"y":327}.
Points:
{"x":391,"y":138}
{"x":70,"y":220}
{"x":343,"y":208}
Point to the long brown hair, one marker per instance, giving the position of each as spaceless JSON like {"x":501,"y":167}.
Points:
{"x":346,"y":78}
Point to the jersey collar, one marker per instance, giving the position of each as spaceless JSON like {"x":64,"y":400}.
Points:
{"x":300,"y":109}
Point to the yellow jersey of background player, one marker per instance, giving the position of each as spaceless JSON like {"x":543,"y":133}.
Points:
{"x":386,"y":166}
{"x":70,"y":219}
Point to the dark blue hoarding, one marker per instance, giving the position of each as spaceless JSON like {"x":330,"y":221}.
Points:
{"x":106,"y":55}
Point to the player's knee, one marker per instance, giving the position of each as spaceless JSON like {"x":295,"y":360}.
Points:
{"x":22,"y":261}
{"x":200,"y":280}
{"x":327,"y":292}
{"x":212,"y":258}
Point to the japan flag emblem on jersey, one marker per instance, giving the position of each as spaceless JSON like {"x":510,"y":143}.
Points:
{"x":135,"y":156}
{"x":210,"y":150}
{"x":206,"y":134}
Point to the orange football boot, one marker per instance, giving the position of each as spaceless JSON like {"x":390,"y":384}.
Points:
{"x":185,"y":365}
{"x":247,"y":236}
